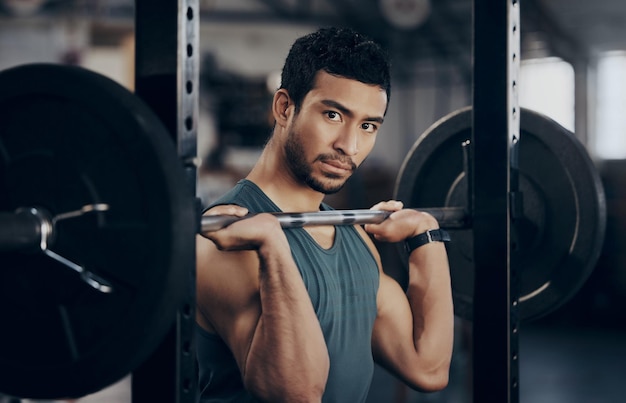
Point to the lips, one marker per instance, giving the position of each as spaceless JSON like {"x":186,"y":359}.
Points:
{"x":339,"y":165}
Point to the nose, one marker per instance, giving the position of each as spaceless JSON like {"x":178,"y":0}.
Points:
{"x":347,"y":141}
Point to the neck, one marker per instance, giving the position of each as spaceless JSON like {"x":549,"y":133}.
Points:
{"x":271,"y":174}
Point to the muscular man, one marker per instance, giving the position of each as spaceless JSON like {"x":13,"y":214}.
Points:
{"x":302,"y":314}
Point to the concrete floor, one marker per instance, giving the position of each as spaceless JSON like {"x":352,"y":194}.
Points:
{"x":119,"y":392}
{"x":558,"y":364}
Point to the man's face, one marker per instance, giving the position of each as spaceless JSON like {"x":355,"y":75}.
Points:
{"x":334,"y":131}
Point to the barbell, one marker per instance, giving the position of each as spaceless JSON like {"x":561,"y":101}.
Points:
{"x":90,"y":180}
{"x":448,"y":216}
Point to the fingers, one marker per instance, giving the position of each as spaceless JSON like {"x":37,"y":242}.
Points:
{"x":227,"y":209}
{"x":382,"y":231}
{"x":226,"y":238}
{"x":402,"y":224}
{"x":390,"y":205}
{"x":249,"y":233}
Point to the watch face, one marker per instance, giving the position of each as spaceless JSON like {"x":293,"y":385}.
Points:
{"x":405,"y":14}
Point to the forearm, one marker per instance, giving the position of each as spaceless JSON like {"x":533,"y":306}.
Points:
{"x":430,"y":297}
{"x":287,"y":359}
{"x":414,"y":333}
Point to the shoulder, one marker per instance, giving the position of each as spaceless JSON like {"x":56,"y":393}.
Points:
{"x":246,"y":194}
{"x":233,"y":196}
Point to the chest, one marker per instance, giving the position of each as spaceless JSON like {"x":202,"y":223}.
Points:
{"x":341,"y":277}
{"x":323,"y":235}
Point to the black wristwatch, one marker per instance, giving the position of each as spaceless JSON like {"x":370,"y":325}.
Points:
{"x":432,"y":235}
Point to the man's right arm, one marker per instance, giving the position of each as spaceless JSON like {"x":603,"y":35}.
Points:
{"x":250,"y":292}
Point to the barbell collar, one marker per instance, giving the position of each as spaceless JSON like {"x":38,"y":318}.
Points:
{"x":32,"y":229}
{"x":24,"y":229}
{"x":448,"y":217}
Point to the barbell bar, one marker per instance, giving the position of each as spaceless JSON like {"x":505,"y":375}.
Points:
{"x":34,"y":229}
{"x":29,"y":228}
{"x":448,"y":217}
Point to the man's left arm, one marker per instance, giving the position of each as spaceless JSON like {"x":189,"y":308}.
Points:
{"x":414,"y":331}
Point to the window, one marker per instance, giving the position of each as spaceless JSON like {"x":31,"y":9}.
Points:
{"x":610,"y":138}
{"x":547,"y":86}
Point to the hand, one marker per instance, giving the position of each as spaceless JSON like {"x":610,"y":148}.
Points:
{"x":402,"y":224}
{"x":246,"y":234}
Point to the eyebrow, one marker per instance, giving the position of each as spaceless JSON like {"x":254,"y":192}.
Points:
{"x":348,"y":112}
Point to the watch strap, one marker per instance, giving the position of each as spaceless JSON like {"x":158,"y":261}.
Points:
{"x":432,"y":235}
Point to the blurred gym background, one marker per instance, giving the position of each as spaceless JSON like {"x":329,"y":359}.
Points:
{"x":573,"y":70}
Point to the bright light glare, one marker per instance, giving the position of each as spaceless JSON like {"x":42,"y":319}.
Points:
{"x":610,"y":139}
{"x":547,"y":86}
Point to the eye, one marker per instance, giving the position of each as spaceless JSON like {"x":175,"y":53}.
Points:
{"x":333,"y":115}
{"x":369,"y":127}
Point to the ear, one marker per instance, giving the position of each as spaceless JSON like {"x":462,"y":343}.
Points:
{"x":281,"y":107}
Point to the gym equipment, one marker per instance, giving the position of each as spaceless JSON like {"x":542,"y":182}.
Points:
{"x":559,"y":216}
{"x":90,"y":180}
{"x":452,"y":217}
{"x":74,"y":141}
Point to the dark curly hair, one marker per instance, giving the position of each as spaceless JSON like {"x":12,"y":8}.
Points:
{"x":338,"y":51}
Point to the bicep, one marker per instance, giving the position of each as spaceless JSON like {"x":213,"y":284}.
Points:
{"x":227,"y":295}
{"x":392,"y":337}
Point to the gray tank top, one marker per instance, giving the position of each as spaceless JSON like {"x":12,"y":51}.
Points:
{"x":342,"y":282}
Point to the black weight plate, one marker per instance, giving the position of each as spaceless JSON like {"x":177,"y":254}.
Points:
{"x":557,"y":241}
{"x":70,"y":137}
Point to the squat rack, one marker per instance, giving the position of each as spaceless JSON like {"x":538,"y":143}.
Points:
{"x":167,"y":79}
{"x":495,"y":199}
{"x":167,"y":71}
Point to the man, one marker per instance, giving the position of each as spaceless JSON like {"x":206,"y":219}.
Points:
{"x":302,"y":314}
